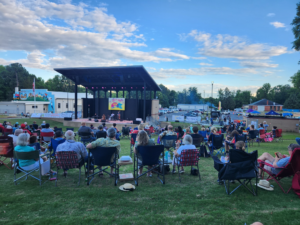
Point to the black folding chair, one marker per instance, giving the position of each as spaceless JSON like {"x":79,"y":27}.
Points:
{"x":197,"y":140}
{"x":101,"y":157}
{"x":125,"y":132}
{"x":169,"y":142}
{"x":132,"y":140}
{"x":85,"y":137}
{"x":243,"y":168}
{"x":70,"y":128}
{"x":100,"y":134}
{"x":217,"y":144}
{"x":28,"y":156}
{"x":253,"y":136}
{"x":241,"y":137}
{"x":57,"y":129}
{"x":150,"y":157}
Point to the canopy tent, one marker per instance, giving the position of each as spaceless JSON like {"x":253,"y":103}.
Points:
{"x":273,"y":113}
{"x":249,"y":110}
{"x":287,"y":114}
{"x":255,"y":112}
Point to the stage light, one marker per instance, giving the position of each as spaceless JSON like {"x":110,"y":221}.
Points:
{"x":92,"y":87}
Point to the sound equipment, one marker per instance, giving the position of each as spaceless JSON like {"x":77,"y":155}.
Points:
{"x":136,"y":122}
{"x":96,"y":120}
{"x":90,"y":119}
{"x":103,"y":121}
{"x":177,"y":121}
{"x":68,"y":118}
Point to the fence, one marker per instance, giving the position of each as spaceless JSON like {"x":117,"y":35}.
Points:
{"x":291,"y":110}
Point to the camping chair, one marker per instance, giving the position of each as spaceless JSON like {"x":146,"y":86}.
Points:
{"x":85,"y":140}
{"x":54,"y":144}
{"x":253,"y":135}
{"x":6,"y":131}
{"x":37,"y":133}
{"x":151,"y":130}
{"x":241,"y":137}
{"x":197,"y":140}
{"x":132,"y":142}
{"x":101,"y":135}
{"x":35,"y":126}
{"x":203,"y":134}
{"x":242,"y":167}
{"x":188,"y":157}
{"x":68,"y":160}
{"x":42,"y":168}
{"x":290,"y":169}
{"x":70,"y":128}
{"x":150,"y":157}
{"x":261,"y":132}
{"x":169,"y":142}
{"x":57,"y":129}
{"x":217,"y":144}
{"x":45,"y":134}
{"x":125,"y":131}
{"x":278,"y":133}
{"x":6,"y":150}
{"x":101,"y":156}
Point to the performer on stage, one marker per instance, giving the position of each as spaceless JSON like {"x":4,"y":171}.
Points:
{"x":95,"y":116}
{"x":119,"y":115}
{"x":111,"y":116}
{"x":103,"y":117}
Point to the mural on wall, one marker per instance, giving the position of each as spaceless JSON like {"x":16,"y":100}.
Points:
{"x":40,"y":95}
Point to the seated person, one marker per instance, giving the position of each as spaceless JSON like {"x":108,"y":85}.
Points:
{"x":26,"y":125}
{"x":24,"y":129}
{"x":240,"y":145}
{"x":274,"y":131}
{"x":35,"y":144}
{"x":23,"y":147}
{"x":8,"y":125}
{"x":88,"y":133}
{"x":43,"y":123}
{"x":280,"y":161}
{"x":195,"y":133}
{"x":142,"y":140}
{"x":30,"y":128}
{"x":101,"y":133}
{"x":92,"y":127}
{"x":35,"y":126}
{"x":71,"y":145}
{"x":265,"y":126}
{"x":112,"y":116}
{"x":15,"y":128}
{"x":169,"y":132}
{"x":109,"y":141}
{"x":261,"y":127}
{"x":59,"y":135}
{"x":213,"y":132}
{"x":1,"y":128}
{"x":103,"y":117}
{"x":230,"y":140}
{"x":104,"y":127}
{"x":140,"y":127}
{"x":47,"y":130}
{"x":117,"y":132}
{"x":15,"y":136}
{"x":180,"y":133}
{"x":187,"y":144}
{"x":219,"y":131}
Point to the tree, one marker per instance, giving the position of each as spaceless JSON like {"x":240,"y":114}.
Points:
{"x":295,"y":79}
{"x":263,"y":92}
{"x":296,"y":29}
{"x":293,"y":102}
{"x":227,"y":98}
{"x":163,"y":96}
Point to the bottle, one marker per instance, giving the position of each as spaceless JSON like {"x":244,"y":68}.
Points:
{"x":166,"y":156}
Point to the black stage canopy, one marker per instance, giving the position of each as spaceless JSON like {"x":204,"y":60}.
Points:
{"x":118,"y":78}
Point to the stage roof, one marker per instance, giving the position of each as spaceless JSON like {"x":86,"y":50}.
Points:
{"x":111,"y":78}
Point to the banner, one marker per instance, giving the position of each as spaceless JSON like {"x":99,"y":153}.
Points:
{"x":179,"y":118}
{"x":116,"y":104}
{"x":54,"y":115}
{"x":191,"y":119}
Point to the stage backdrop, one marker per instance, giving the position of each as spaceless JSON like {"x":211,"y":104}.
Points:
{"x":116,"y":104}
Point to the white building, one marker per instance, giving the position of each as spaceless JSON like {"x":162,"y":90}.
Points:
{"x":192,"y":106}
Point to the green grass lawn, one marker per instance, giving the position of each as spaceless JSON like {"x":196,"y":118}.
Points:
{"x":189,"y":202}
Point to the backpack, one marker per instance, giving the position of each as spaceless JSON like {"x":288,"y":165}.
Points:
{"x":194,"y":171}
{"x":296,"y":184}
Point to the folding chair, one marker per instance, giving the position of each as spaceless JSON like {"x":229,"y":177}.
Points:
{"x":278,"y":133}
{"x":188,"y":157}
{"x":35,"y":126}
{"x":42,"y":168}
{"x":203,"y":134}
{"x":217,"y":144}
{"x":101,"y":134}
{"x":57,"y":129}
{"x":242,"y":167}
{"x":68,"y":160}
{"x":45,"y":134}
{"x":101,"y":156}
{"x":150,"y":157}
{"x":132,"y":142}
{"x":84,"y":140}
{"x":125,"y":132}
{"x":241,"y":137}
{"x":6,"y":150}
{"x":169,"y":142}
{"x":198,"y":140}
{"x":54,"y":144}
{"x":261,"y":132}
{"x":6,"y":131}
{"x":290,"y":169}
{"x":151,"y":130}
{"x":253,"y":135}
{"x":70,"y":128}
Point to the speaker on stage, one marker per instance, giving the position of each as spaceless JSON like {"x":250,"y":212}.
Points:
{"x":90,"y":119}
{"x":68,"y":118}
{"x":96,"y":120}
{"x":136,"y":122}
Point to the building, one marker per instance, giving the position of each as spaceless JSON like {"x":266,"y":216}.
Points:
{"x":265,"y":105}
{"x":45,"y":101}
{"x":193,"y":106}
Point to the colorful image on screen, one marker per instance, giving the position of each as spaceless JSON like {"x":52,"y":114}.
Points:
{"x":116,"y":104}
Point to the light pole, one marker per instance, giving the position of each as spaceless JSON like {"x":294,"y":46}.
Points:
{"x":212,"y":88}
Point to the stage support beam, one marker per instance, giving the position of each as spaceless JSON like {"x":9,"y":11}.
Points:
{"x":154,"y":97}
{"x":144,"y":102}
{"x":86,"y":93}
{"x":76,"y":101}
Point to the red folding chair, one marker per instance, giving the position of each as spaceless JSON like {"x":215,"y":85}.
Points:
{"x":278,"y":133}
{"x":188,"y":157}
{"x":6,"y":150}
{"x":151,"y":130}
{"x":290,"y":169}
{"x":261,"y":132}
{"x":7,"y":131}
{"x":45,"y":134}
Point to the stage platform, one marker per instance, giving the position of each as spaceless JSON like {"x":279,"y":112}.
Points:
{"x":120,"y":124}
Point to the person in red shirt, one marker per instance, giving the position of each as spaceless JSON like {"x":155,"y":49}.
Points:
{"x":23,"y":127}
{"x":1,"y":128}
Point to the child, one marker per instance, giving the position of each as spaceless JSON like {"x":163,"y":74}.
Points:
{"x":265,"y":126}
{"x":274,"y":131}
{"x":240,"y":145}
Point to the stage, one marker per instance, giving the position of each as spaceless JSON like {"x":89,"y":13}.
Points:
{"x":120,"y":124}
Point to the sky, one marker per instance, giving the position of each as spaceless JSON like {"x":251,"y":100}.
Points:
{"x":181,"y":43}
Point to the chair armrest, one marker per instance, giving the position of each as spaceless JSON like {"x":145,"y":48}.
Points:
{"x":268,"y":164}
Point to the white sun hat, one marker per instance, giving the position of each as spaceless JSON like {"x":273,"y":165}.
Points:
{"x":127,"y":187}
{"x":264,"y":184}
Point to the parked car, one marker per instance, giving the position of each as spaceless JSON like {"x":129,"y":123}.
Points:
{"x":226,"y":112}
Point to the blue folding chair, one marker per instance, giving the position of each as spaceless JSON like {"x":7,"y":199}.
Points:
{"x":169,"y":142}
{"x":101,"y":157}
{"x":57,"y":129}
{"x":150,"y":157}
{"x":70,"y":128}
{"x":54,"y":144}
{"x":203,"y":134}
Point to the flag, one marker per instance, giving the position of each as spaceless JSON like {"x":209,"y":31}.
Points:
{"x":33,"y":86}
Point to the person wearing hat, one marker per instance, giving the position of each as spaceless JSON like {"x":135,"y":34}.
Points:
{"x":187,"y":144}
{"x":23,"y":127}
{"x":277,"y":162}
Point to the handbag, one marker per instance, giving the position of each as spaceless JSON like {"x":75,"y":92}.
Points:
{"x":194,"y":171}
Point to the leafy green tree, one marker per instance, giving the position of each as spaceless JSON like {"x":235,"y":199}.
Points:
{"x":264,"y":91}
{"x":242,"y":98}
{"x":293,"y":102}
{"x":227,"y":98}
{"x":296,"y":29}
{"x":295,"y":79}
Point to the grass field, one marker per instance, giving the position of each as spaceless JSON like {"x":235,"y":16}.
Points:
{"x":189,"y":202}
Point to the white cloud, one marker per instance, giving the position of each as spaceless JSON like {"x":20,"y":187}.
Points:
{"x":152,"y":39}
{"x":251,"y":64}
{"x":92,"y":37}
{"x":205,"y":64}
{"x":277,"y":24}
{"x":226,"y":46}
{"x":198,"y":57}
{"x":270,"y":14}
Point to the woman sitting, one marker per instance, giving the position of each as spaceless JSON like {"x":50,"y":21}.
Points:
{"x":230,"y":140}
{"x":187,"y":144}
{"x":103,"y":117}
{"x":142,"y":140}
{"x":240,"y":145}
{"x":23,"y":147}
{"x":180,"y":133}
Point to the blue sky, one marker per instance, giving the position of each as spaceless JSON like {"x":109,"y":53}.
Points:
{"x":235,"y":44}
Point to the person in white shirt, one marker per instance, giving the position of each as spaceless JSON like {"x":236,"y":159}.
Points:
{"x":15,"y":136}
{"x":8,"y":126}
{"x":187,"y":144}
{"x":111,"y":116}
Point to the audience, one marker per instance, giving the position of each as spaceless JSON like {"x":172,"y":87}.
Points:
{"x":261,"y":127}
{"x":240,"y":145}
{"x":230,"y":140}
{"x":274,"y":131}
{"x":280,"y":161}
{"x":8,"y":125}
{"x":180,"y":132}
{"x":43,"y":123}
{"x":104,"y":127}
{"x":15,"y":136}
{"x":169,"y":132}
{"x":71,"y":145}
{"x":15,"y":128}
{"x":187,"y":144}
{"x":47,"y":130}
{"x":265,"y":126}
{"x":109,"y":141}
{"x":86,"y":132}
{"x":23,"y":127}
{"x":59,"y":135}
{"x":195,"y":133}
{"x":35,"y":126}
{"x":101,"y":133}
{"x":140,"y":127}
{"x":35,"y":144}
{"x":142,"y":140}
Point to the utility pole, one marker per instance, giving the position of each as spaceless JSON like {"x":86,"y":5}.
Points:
{"x":212,"y":88}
